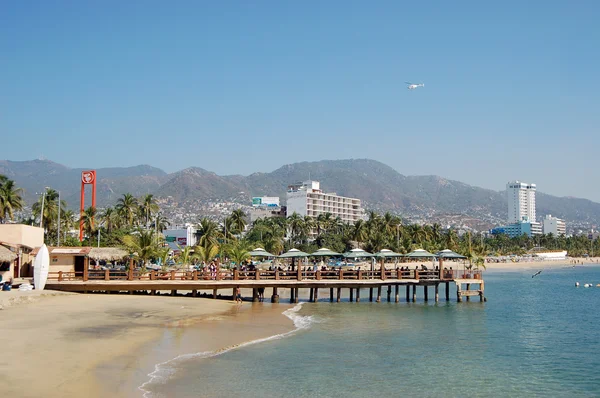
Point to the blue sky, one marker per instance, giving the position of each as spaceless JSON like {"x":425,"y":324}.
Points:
{"x":511,"y":88}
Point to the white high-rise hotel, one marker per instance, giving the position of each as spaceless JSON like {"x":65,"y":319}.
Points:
{"x":521,"y":202}
{"x":307,"y":199}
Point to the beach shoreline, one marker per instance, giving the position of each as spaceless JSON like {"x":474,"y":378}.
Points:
{"x":96,"y":345}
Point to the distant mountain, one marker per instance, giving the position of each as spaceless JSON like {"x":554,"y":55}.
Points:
{"x":379,"y":186}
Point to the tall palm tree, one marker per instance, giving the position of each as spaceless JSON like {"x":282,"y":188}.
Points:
{"x":87,"y":218}
{"x":208,"y":232}
{"x":108,"y":217}
{"x":160,"y":222}
{"x":185,"y":255}
{"x":10,"y":199}
{"x":238,"y":221}
{"x":360,"y":232}
{"x":127,"y":207}
{"x":148,"y":207}
{"x":50,"y":204}
{"x":239,"y":251}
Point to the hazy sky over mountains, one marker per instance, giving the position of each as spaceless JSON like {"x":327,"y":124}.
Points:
{"x":511,"y":88}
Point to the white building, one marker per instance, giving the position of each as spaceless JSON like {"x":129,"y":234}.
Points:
{"x":522,"y":227}
{"x":521,"y":201}
{"x":265,"y":201}
{"x":554,"y":226}
{"x":180,"y":237}
{"x":307,"y":199}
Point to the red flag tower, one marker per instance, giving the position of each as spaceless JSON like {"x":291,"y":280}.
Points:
{"x":88,"y":177}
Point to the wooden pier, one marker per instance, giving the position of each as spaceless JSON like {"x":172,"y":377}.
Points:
{"x":379,"y":281}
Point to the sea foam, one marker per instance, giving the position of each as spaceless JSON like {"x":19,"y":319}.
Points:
{"x":165,"y":370}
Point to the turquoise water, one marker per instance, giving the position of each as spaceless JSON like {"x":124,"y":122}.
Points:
{"x":534,"y":337}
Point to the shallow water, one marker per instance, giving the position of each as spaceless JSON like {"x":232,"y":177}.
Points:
{"x":535,"y":336}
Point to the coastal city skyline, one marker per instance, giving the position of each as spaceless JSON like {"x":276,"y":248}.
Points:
{"x":503,"y":86}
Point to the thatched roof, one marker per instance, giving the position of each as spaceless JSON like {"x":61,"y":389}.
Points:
{"x":108,"y":253}
{"x":6,"y":256}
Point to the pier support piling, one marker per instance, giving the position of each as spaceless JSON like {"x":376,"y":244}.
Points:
{"x":275,"y":296}
{"x":437,"y":292}
{"x":339,"y":294}
{"x":379,"y":294}
{"x":351,"y":294}
{"x":407,"y":293}
{"x":331,"y":295}
{"x":358,"y":294}
{"x":215,"y":294}
{"x":311,"y":295}
{"x":397,"y":296}
{"x":447,"y":291}
{"x":292,"y":294}
{"x":316,"y":297}
{"x":426,"y":293}
{"x":371,"y":294}
{"x":468,"y":288}
{"x":389,"y":293}
{"x":414,"y":296}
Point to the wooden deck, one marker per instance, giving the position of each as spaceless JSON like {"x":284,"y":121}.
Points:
{"x":136,"y":281}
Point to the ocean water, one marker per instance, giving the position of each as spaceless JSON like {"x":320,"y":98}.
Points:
{"x":534,"y":337}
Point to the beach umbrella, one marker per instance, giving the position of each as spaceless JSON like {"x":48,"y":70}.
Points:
{"x":260,"y":252}
{"x":420,"y":253}
{"x":324,"y":252}
{"x":447,"y":253}
{"x":294,"y":253}
{"x":357,"y":253}
{"x":383,"y":253}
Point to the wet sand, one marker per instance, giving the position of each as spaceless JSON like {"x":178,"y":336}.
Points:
{"x":70,"y":345}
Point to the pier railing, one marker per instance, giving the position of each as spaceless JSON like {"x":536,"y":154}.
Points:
{"x":235,"y":274}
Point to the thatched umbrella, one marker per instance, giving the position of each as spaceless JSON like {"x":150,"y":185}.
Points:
{"x":108,"y":254}
{"x":6,"y":256}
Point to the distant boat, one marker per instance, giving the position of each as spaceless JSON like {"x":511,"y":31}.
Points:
{"x":41,"y":267}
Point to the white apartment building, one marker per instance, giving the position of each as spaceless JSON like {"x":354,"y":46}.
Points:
{"x":554,"y":226}
{"x":521,"y":201}
{"x":307,"y":199}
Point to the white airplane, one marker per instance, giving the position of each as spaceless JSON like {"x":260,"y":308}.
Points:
{"x":412,"y":86}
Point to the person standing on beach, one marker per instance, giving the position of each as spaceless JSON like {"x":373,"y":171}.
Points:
{"x":238,"y":295}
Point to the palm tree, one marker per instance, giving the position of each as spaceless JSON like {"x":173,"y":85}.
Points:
{"x":10,"y":199}
{"x":108,"y":218}
{"x":296,"y":225}
{"x":239,"y":251}
{"x":360,"y":233}
{"x":161,"y":223}
{"x":207,"y":252}
{"x":148,"y":207}
{"x":142,"y":244}
{"x":185,"y":255}
{"x":50,"y":204}
{"x":237,"y":221}
{"x":208,"y":233}
{"x":87,"y":218}
{"x":127,"y":207}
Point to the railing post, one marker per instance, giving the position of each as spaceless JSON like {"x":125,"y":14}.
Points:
{"x":152,"y":275}
{"x":318,"y":275}
{"x":236,"y":274}
{"x":441,"y":268}
{"x":359,"y":274}
{"x":398,"y":274}
{"x":130,"y":273}
{"x":299,"y":276}
{"x":60,"y":276}
{"x":195,"y":275}
{"x":106,"y":275}
{"x":86,"y":270}
{"x":172,"y":277}
{"x":383,"y":270}
{"x":276,"y":275}
{"x":416,"y":274}
{"x":341,"y":273}
{"x":218,"y":267}
{"x":256,"y":273}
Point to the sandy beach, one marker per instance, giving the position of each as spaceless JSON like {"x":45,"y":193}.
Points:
{"x":67,"y":345}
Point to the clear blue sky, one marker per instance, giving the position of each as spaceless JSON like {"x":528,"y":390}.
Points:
{"x":511,"y":87}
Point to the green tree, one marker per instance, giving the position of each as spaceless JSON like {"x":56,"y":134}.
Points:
{"x":148,"y":207}
{"x":127,"y":207}
{"x":10,"y":199}
{"x":142,"y":244}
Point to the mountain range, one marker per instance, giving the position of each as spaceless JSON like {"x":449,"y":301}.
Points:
{"x":379,"y":186}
